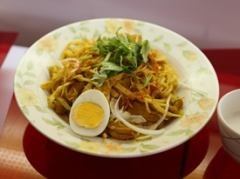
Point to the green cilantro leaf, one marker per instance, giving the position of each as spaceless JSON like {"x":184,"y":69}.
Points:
{"x":121,"y":54}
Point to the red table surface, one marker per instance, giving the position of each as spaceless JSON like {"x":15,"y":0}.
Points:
{"x":6,"y":41}
{"x":227,"y":66}
{"x":54,"y":161}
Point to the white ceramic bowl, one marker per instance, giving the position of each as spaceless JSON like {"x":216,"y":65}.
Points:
{"x":194,"y":69}
{"x":229,"y":122}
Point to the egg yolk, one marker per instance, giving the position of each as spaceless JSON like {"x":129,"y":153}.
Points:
{"x":88,"y":115}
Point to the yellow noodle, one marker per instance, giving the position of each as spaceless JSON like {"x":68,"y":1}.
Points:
{"x":150,"y":84}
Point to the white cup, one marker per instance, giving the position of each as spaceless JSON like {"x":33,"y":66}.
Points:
{"x":228,"y":111}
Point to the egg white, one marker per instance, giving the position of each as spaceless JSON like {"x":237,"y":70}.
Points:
{"x":97,"y":97}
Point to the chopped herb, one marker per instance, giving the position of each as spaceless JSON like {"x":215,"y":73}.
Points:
{"x":147,"y":80}
{"x":121,"y":54}
{"x":144,"y":51}
{"x":99,"y":78}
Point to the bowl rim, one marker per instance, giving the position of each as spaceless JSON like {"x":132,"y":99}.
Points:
{"x":221,"y":118}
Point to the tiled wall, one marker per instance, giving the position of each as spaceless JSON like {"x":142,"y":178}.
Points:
{"x":208,"y":23}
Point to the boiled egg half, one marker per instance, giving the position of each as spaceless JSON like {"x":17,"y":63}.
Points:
{"x":90,"y":113}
